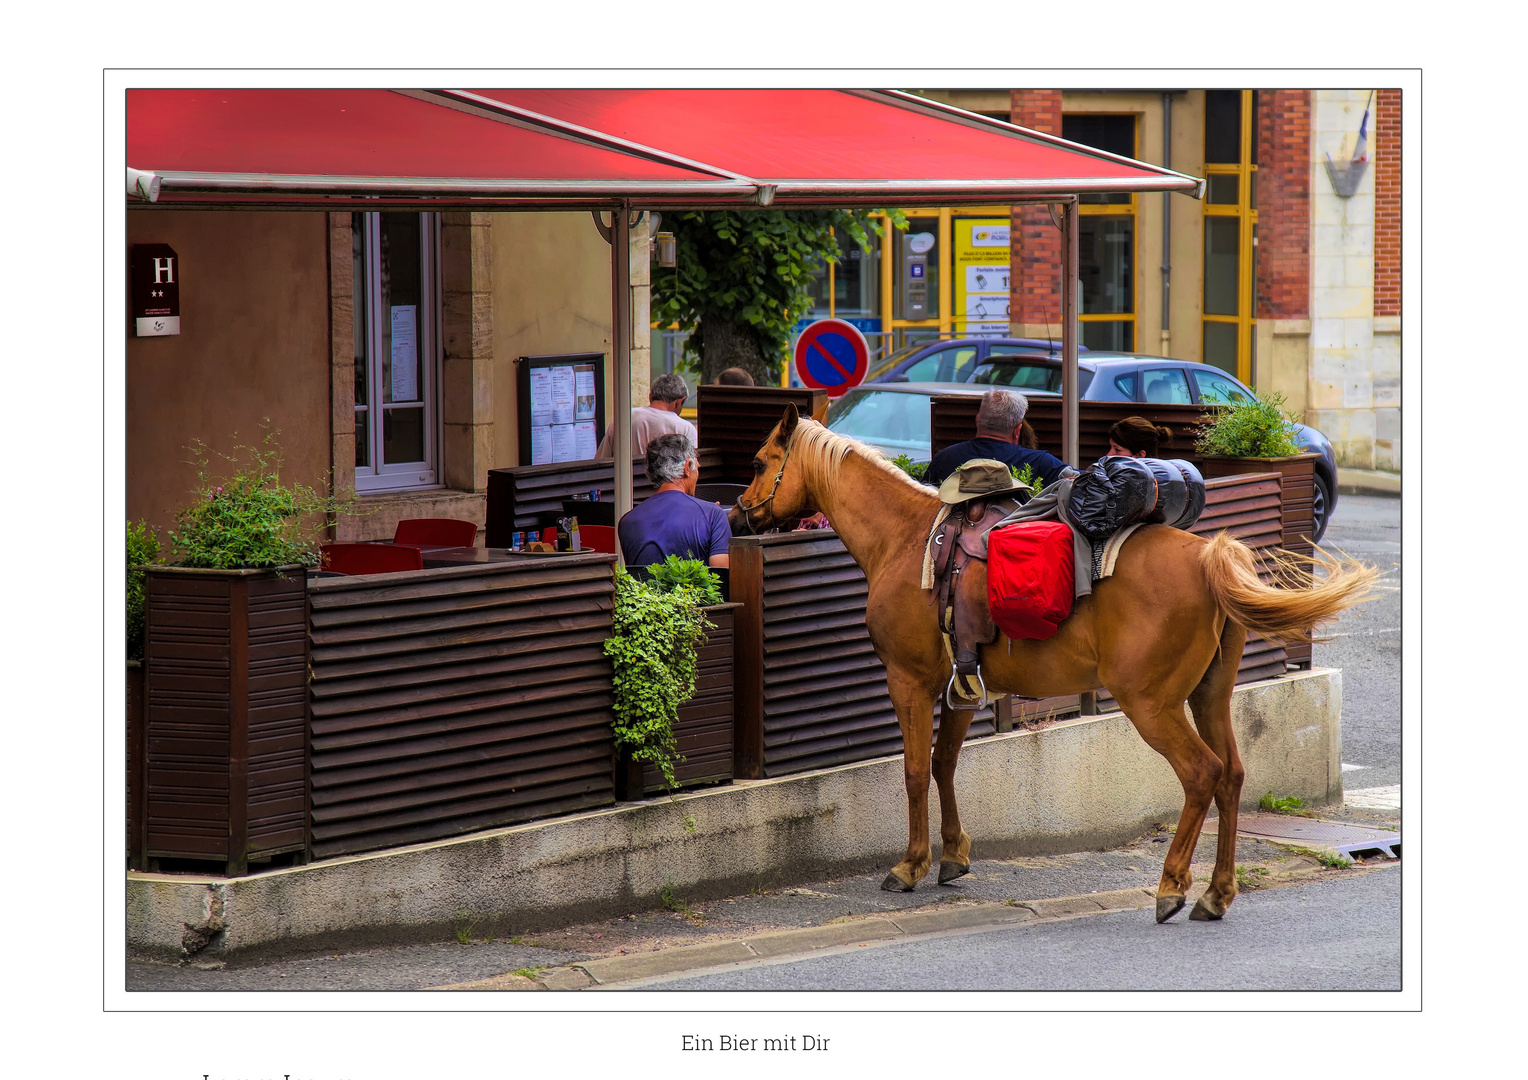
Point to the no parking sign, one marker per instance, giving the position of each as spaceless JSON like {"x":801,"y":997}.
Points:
{"x":832,"y":355}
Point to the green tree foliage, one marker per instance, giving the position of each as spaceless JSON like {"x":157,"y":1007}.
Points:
{"x":249,"y":518}
{"x":742,"y":281}
{"x":142,"y":550}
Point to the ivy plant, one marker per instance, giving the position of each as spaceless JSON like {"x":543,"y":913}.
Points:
{"x":142,"y":550}
{"x":249,"y":518}
{"x":653,"y":644}
{"x":743,"y":279}
{"x":1255,"y":427}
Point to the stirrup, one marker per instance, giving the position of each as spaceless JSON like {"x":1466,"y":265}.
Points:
{"x":982,"y":704}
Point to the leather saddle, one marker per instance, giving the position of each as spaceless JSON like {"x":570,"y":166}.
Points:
{"x":960,"y":593}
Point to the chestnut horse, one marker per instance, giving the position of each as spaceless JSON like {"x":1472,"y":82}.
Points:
{"x":1166,"y":629}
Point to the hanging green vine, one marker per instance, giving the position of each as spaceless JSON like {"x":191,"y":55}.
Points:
{"x":653,"y":649}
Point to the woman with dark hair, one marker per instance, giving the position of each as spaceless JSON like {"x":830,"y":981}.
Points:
{"x":1137,"y":437}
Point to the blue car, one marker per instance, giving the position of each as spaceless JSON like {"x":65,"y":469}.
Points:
{"x":1117,"y":376}
{"x":955,"y":360}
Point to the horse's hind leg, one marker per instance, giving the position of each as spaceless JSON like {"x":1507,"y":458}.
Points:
{"x":1166,"y":730}
{"x":1211,"y":702}
{"x":915,"y":715}
{"x":955,"y":849}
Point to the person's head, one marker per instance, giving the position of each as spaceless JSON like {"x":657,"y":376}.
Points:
{"x":734,"y":376}
{"x":1001,"y":414}
{"x":1135,"y":436}
{"x":672,"y":458}
{"x":668,"y":392}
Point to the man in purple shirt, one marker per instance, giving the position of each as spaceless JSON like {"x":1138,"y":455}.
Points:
{"x":671,"y":521}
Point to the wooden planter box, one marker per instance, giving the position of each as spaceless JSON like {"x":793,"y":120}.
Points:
{"x":451,"y":700}
{"x":1297,"y":482}
{"x":704,"y":727}
{"x":226,"y":715}
{"x":136,"y":857}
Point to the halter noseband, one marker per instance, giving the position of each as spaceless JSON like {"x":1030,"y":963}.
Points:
{"x":772,"y":491}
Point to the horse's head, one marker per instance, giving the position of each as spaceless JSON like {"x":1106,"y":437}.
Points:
{"x":777,"y":494}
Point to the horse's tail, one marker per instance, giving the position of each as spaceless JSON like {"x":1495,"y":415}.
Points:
{"x":1285,"y":614}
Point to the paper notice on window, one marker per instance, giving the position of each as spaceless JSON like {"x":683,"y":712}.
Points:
{"x":585,"y":440}
{"x":541,"y":445}
{"x":405,"y":358}
{"x":562,"y":397}
{"x":541,"y":397}
{"x":562,"y":443}
{"x":583,"y":389}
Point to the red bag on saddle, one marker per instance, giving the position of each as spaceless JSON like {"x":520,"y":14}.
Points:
{"x":1030,"y":578}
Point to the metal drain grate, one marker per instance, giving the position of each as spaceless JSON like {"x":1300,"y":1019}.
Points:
{"x":1313,"y":832}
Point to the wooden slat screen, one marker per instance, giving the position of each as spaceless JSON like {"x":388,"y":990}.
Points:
{"x":735,"y":420}
{"x":463,"y":698}
{"x":811,"y":690}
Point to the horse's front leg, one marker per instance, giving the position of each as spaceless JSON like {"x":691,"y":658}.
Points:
{"x":955,"y":850}
{"x":915,"y":715}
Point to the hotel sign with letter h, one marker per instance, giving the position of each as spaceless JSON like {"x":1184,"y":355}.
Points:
{"x":156,"y":290}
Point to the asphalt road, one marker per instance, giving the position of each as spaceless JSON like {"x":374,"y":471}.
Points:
{"x":1366,"y":643}
{"x":1341,"y":934}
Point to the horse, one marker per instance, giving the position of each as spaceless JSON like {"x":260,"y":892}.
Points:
{"x":1167,"y":629}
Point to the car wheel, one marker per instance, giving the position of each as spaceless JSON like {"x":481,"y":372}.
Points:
{"x":1321,"y":506}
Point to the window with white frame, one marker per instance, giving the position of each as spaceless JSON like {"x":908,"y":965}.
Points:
{"x":397,"y":350}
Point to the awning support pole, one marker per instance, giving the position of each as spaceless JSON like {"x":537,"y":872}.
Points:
{"x":1069,"y":297}
{"x":620,"y":353}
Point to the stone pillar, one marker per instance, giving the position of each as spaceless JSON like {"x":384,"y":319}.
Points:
{"x":641,"y":311}
{"x":466,"y":391}
{"x":1341,"y":399}
{"x":342,"y":344}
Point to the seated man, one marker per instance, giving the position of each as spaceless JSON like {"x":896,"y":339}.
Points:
{"x":671,"y":521}
{"x":999,"y":421}
{"x":660,"y":416}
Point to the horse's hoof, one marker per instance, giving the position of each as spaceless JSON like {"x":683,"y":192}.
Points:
{"x":896,"y":884}
{"x":949,"y":871}
{"x":1204,"y":912}
{"x":1168,"y":906}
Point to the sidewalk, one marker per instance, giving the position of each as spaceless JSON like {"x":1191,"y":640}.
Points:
{"x":1368,"y":482}
{"x":769,"y":922}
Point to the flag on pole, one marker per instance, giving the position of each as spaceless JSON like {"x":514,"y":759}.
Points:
{"x":1361,"y":148}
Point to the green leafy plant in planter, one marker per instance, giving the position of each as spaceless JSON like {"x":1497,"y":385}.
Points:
{"x":675,"y":573}
{"x":657,"y":629}
{"x":1254,"y":427}
{"x":142,"y":550}
{"x":249,"y":518}
{"x":916,"y":469}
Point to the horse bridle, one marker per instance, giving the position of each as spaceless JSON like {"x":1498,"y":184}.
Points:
{"x":772,"y":491}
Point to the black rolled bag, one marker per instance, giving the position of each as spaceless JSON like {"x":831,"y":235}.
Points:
{"x":1115,"y":492}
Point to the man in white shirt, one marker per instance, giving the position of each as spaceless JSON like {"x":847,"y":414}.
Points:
{"x":660,"y":416}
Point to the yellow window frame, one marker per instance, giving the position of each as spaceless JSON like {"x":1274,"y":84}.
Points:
{"x":1246,"y":294}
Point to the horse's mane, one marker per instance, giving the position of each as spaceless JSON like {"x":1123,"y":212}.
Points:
{"x":820,"y":452}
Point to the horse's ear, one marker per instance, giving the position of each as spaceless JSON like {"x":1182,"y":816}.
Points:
{"x":788,"y":423}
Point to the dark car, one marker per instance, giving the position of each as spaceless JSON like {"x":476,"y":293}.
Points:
{"x":953,"y":360}
{"x":1115,"y":376}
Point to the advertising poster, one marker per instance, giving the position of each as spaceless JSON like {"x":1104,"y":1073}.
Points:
{"x":981,"y":277}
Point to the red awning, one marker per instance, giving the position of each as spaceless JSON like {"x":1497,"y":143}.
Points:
{"x":566,"y":148}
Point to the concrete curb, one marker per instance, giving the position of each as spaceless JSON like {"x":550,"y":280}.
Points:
{"x":1368,"y":482}
{"x":1081,"y":783}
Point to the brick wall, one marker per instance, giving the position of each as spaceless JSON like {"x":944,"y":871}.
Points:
{"x":1386,"y":156}
{"x":1035,"y":270}
{"x":1283,"y":204}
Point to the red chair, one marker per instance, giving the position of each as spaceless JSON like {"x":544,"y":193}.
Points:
{"x":597,"y":538}
{"x":370,"y":558}
{"x":436,"y":532}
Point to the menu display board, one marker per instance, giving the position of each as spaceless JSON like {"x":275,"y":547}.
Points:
{"x":561,"y":407}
